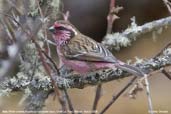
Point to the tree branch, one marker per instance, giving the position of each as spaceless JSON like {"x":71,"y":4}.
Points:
{"x":124,"y":39}
{"x":115,"y":97}
{"x":97,"y":97}
{"x":93,"y":78}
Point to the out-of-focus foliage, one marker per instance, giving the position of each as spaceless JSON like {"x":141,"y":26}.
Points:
{"x":49,"y":8}
{"x":21,"y":20}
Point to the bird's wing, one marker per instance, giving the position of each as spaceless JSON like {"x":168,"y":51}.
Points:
{"x":86,"y":49}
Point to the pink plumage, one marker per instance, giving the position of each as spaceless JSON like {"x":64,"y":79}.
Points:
{"x":83,"y":54}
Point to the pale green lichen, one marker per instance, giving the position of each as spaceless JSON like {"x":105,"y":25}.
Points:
{"x":52,"y":8}
{"x":124,"y":39}
{"x":55,"y":4}
{"x":138,"y":60}
{"x":5,"y":92}
{"x":33,"y":8}
{"x":133,"y":27}
{"x":30,"y":76}
{"x":167,"y":51}
{"x":116,"y":40}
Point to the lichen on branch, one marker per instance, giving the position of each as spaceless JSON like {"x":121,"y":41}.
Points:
{"x":132,"y":33}
{"x":93,"y":78}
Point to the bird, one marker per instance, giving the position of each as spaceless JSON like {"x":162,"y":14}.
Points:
{"x":82,"y":53}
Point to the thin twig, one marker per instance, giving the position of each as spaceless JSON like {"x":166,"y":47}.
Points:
{"x":110,"y":20}
{"x":138,"y":87}
{"x":166,"y":73}
{"x":51,"y":42}
{"x":51,"y":60}
{"x":115,"y":97}
{"x":110,"y":16}
{"x":44,"y":27}
{"x":48,"y":70}
{"x":46,"y":66}
{"x":65,"y":91}
{"x":97,"y":98}
{"x":161,"y":51}
{"x":69,"y":102}
{"x":65,"y":15}
{"x":147,"y":85}
{"x":168,"y":4}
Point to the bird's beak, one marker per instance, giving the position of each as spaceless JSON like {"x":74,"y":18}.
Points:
{"x":52,"y":29}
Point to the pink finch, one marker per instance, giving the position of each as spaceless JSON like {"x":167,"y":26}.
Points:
{"x":83,"y":54}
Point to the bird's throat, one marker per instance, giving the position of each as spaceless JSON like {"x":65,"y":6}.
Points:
{"x":62,"y":37}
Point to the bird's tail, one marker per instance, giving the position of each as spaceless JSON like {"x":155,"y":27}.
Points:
{"x":131,"y":69}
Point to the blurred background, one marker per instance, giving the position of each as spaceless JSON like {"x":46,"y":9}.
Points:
{"x":89,"y":16}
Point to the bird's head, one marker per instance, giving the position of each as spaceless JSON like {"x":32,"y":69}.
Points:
{"x":63,"y":31}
